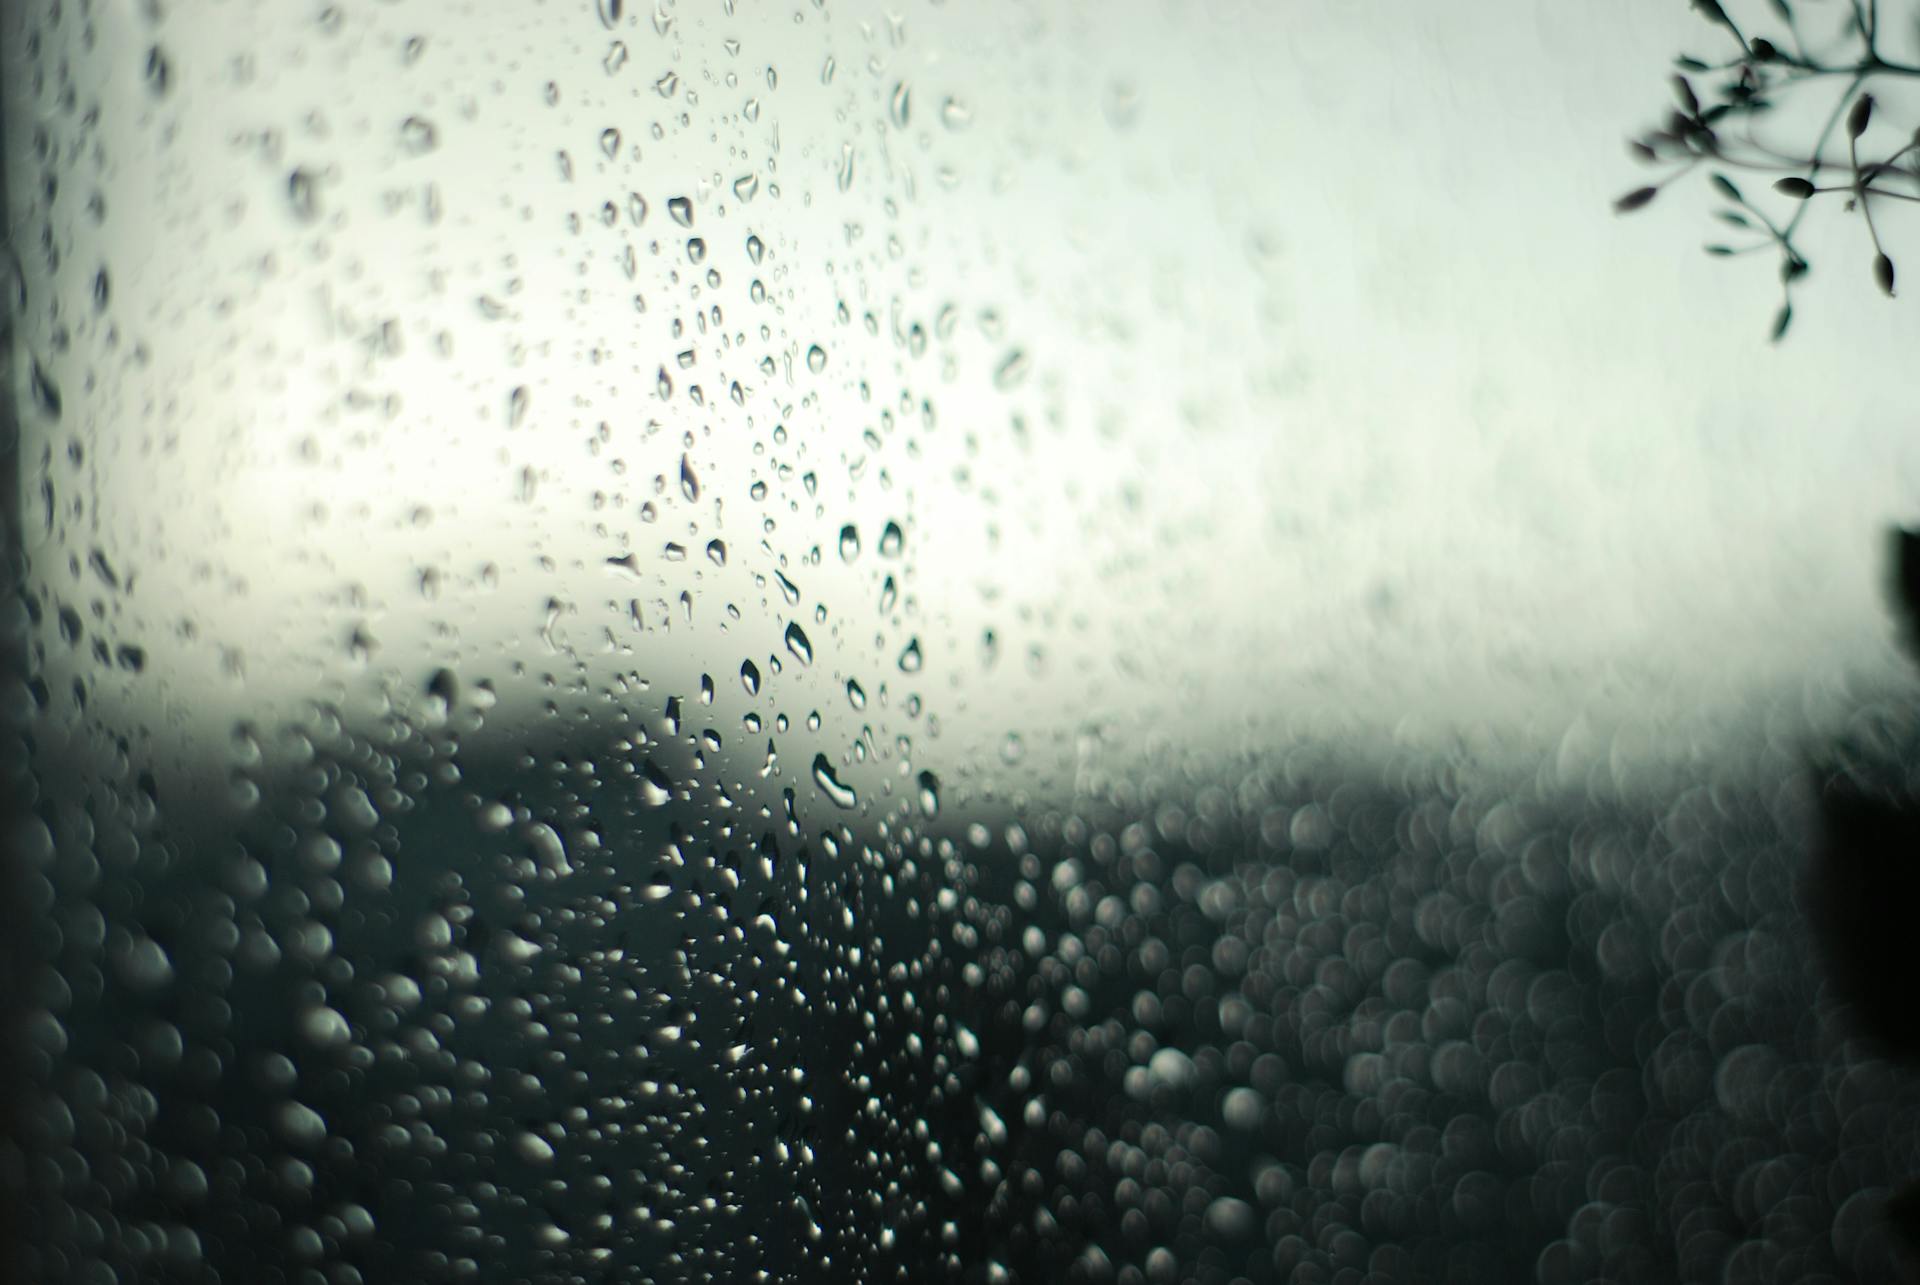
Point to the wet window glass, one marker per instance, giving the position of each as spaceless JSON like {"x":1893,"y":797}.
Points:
{"x":834,"y":641}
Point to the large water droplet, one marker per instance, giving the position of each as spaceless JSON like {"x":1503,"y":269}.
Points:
{"x":655,"y":786}
{"x":750,"y":677}
{"x":891,"y":540}
{"x":816,"y":359}
{"x":681,"y":209}
{"x":910,"y":658}
{"x":830,"y":785}
{"x":929,"y":794}
{"x":689,"y":484}
{"x":797,"y":644}
{"x":856,"y":694}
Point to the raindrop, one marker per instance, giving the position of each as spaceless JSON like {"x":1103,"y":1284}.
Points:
{"x":1011,"y":371}
{"x":681,"y":209}
{"x":900,"y":105}
{"x":667,"y":84}
{"x":746,"y":187}
{"x":910,"y":658}
{"x":609,"y":142}
{"x":636,"y":209}
{"x":531,"y":1147}
{"x":616,"y":57}
{"x":955,"y":115}
{"x":830,"y":785}
{"x":856,"y":694}
{"x":46,"y":394}
{"x":706,"y":689}
{"x":891,"y":541}
{"x":517,"y":406}
{"x":689,"y":484}
{"x":610,"y":12}
{"x":816,"y":359}
{"x":849,"y":543}
{"x":756,"y":248}
{"x":750,"y":677}
{"x":303,"y":195}
{"x":845,"y":178}
{"x":696,"y":250}
{"x":655,"y":786}
{"x":797,"y":644}
{"x":418,"y":135}
{"x":929,"y":794}
{"x":717,"y":552}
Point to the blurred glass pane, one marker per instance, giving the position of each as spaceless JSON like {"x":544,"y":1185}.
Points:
{"x":1128,"y":642}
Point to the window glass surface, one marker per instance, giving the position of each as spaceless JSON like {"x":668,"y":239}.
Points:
{"x":824,"y":641}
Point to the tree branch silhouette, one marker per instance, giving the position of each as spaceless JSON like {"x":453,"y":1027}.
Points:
{"x":1722,"y":133}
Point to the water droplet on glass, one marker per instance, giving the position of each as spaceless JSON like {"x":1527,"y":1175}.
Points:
{"x":303,"y":196}
{"x":891,"y":540}
{"x":717,"y":552}
{"x":696,"y":250}
{"x":750,"y":677}
{"x":531,"y":1147}
{"x":845,"y":178}
{"x":1011,"y":371}
{"x":655,"y":786}
{"x":636,"y":209}
{"x":756,"y":248}
{"x":517,"y":401}
{"x":667,"y":84}
{"x":609,"y":142}
{"x":900,"y":105}
{"x":830,"y":785}
{"x":616,"y":57}
{"x":797,"y":644}
{"x":746,"y":187}
{"x":910,"y":658}
{"x":856,"y":694}
{"x":955,"y":115}
{"x":418,"y":135}
{"x":609,"y":11}
{"x":788,"y":589}
{"x":681,"y":209}
{"x":706,"y":689}
{"x":689,"y":484}
{"x":929,"y":794}
{"x":816,"y":359}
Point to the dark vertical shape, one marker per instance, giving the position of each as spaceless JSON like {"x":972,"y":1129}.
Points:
{"x":15,"y":779}
{"x":1861,"y":898}
{"x":1905,"y":583}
